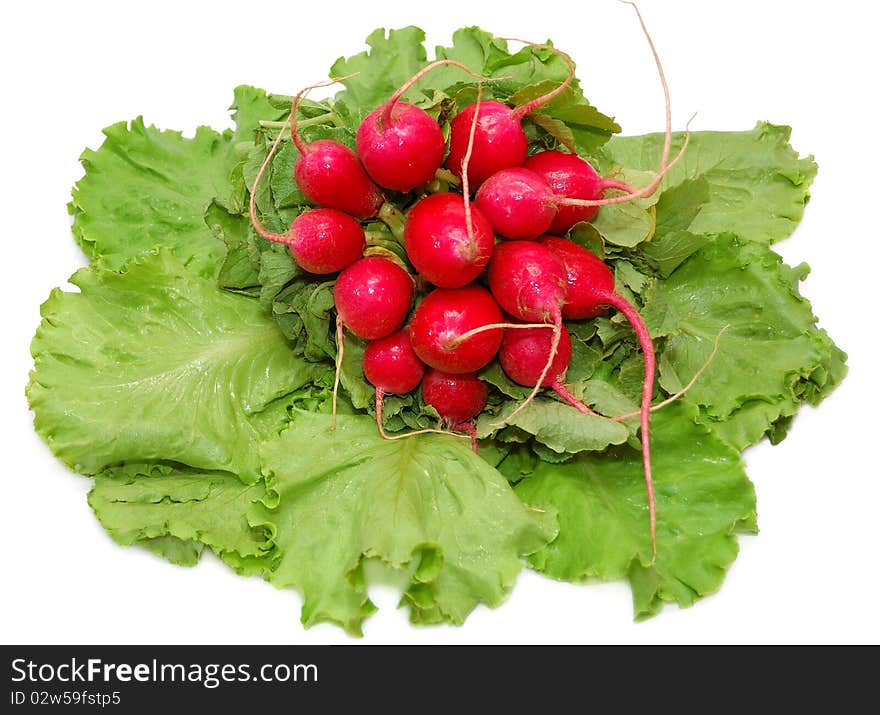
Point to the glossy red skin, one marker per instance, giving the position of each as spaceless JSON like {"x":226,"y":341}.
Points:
{"x":390,"y":364}
{"x":373,"y":296}
{"x":524,"y":354}
{"x":457,"y":398}
{"x":588,"y":278}
{"x":446,"y":314}
{"x":499,"y":141}
{"x":527,"y":280}
{"x":516,"y":203}
{"x":437,"y":243}
{"x":330,"y":175}
{"x":403,"y":153}
{"x":325,"y":240}
{"x":570,"y":176}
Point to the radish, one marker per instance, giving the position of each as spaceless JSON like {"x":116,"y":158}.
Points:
{"x":330,"y":174}
{"x":590,"y":290}
{"x":457,"y":399}
{"x":400,"y":145}
{"x":500,"y":140}
{"x":444,"y":316}
{"x":320,"y":240}
{"x":528,"y":281}
{"x":390,"y":365}
{"x":444,"y":247}
{"x":571,"y":177}
{"x":373,"y":296}
{"x":517,"y":202}
{"x":524,"y":353}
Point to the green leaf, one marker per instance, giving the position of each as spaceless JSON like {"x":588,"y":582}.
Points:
{"x":251,"y":105}
{"x":157,"y":364}
{"x":627,"y":224}
{"x":768,"y":354}
{"x":557,"y":425}
{"x":587,"y":128}
{"x":174,"y":510}
{"x":672,"y":249}
{"x":426,"y":504}
{"x":703,"y":499}
{"x":145,"y":188}
{"x":237,"y":271}
{"x":757,"y":184}
{"x":394,"y":56}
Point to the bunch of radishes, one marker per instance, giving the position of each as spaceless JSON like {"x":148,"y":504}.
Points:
{"x":513,"y":232}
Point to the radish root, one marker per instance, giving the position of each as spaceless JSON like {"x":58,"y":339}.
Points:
{"x":641,"y":330}
{"x":380,"y":402}
{"x":465,"y":162}
{"x":665,"y":164}
{"x":672,"y":398}
{"x":530,"y":106}
{"x":494,"y":326}
{"x":340,"y":351}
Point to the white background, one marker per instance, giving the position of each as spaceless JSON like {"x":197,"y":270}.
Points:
{"x":72,"y":68}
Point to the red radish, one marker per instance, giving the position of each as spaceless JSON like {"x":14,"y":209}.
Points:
{"x":457,"y":399}
{"x":586,"y":275}
{"x":517,"y":203}
{"x":592,"y":290}
{"x":500,"y":141}
{"x":524,"y":354}
{"x":444,"y":316}
{"x":529,"y":283}
{"x":400,"y":145}
{"x":571,"y":177}
{"x":439,"y":244}
{"x":391,"y":365}
{"x":320,"y":240}
{"x":373,"y":296}
{"x":330,"y":174}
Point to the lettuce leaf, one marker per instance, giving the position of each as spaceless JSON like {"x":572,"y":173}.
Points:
{"x":771,"y":359}
{"x":756,"y":183}
{"x":145,"y":188}
{"x":425,"y":503}
{"x":703,"y":499}
{"x":157,"y":364}
{"x":175,"y":511}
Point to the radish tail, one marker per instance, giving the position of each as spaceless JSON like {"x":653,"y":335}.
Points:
{"x":494,"y":326}
{"x":538,"y":102}
{"x":255,"y":220}
{"x":340,"y":351}
{"x":470,"y":429}
{"x":672,"y":398}
{"x":563,"y":392}
{"x":380,"y":403}
{"x":465,"y":185}
{"x":641,"y":330}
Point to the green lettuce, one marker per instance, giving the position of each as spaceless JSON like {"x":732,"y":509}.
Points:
{"x":425,"y":503}
{"x":157,"y":364}
{"x":703,"y":499}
